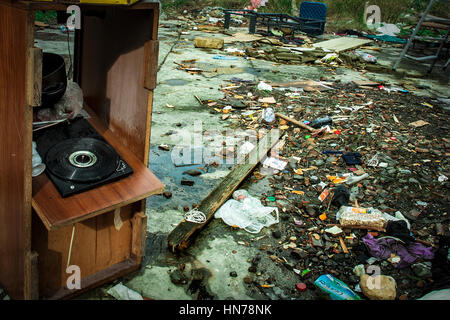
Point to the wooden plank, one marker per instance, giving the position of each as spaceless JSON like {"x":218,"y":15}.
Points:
{"x":298,"y":123}
{"x":112,"y":74}
{"x":113,"y":246}
{"x":308,"y":85}
{"x":94,"y":280}
{"x":34,"y":275}
{"x":367,"y":83}
{"x":139,"y":223}
{"x":342,"y":44}
{"x":97,"y":245}
{"x":151,"y":51}
{"x":57,"y":212}
{"x":15,"y":155}
{"x":34,"y":77}
{"x":180,"y":237}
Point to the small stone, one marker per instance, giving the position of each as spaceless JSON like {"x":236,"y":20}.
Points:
{"x":178,"y":277}
{"x":378,"y":287}
{"x":248,"y":280}
{"x":252,"y":269}
{"x":233,"y":274}
{"x":311,"y":211}
{"x":186,"y":182}
{"x":193,"y":172}
{"x":276,"y":234}
{"x":167,"y":194}
{"x":164,"y":147}
{"x":422,"y":269}
{"x":359,"y":270}
{"x":319,"y":162}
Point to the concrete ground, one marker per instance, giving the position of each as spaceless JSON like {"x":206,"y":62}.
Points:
{"x":219,"y":250}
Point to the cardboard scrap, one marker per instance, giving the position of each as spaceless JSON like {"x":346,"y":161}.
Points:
{"x":242,"y":37}
{"x":418,"y":123}
{"x":267,"y":100}
{"x":341,"y":44}
{"x":214,"y":43}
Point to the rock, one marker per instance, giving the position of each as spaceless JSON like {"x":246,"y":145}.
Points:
{"x":213,"y":43}
{"x":311,"y":211}
{"x":233,"y":274}
{"x":276,"y":234}
{"x":186,"y":182}
{"x":167,"y":194}
{"x":248,"y":280}
{"x":319,"y":162}
{"x":359,"y":270}
{"x":317,"y":242}
{"x":164,"y":147}
{"x":193,"y":172}
{"x":378,"y":287}
{"x":177,"y":277}
{"x":422,"y":269}
{"x":252,"y":269}
{"x":256,"y":260}
{"x":299,"y":253}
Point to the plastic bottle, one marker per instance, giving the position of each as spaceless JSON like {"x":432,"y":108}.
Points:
{"x":366,"y":56}
{"x":335,"y":289}
{"x":354,"y":179}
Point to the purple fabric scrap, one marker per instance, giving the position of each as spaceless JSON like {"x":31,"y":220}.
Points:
{"x":382,"y":249}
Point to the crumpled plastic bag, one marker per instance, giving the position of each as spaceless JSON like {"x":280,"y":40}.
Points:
{"x":121,"y":292}
{"x":247,"y":213}
{"x":71,"y":103}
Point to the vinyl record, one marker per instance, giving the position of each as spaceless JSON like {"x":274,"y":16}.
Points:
{"x":82,"y":160}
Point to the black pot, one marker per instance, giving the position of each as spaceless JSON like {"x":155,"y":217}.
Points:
{"x":54,"y":78}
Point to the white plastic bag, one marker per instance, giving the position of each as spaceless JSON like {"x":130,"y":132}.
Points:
{"x":247,"y":213}
{"x":120,"y":292}
{"x":268,"y":115}
{"x":264,"y":86}
{"x":72,"y":101}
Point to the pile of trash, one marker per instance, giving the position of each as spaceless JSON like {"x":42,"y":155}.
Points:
{"x":362,"y":200}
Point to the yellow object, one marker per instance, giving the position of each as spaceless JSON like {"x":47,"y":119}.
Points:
{"x":323,"y":216}
{"x":298,"y":171}
{"x":298,"y":192}
{"x":213,"y":43}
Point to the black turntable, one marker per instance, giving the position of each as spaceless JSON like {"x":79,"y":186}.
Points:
{"x":78,"y":158}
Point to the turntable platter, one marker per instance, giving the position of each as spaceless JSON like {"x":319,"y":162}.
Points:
{"x":82,"y":160}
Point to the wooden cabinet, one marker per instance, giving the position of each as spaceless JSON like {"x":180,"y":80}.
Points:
{"x":102,"y":231}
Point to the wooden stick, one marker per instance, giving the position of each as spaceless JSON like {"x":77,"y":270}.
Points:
{"x":356,"y":227}
{"x":344,"y":247}
{"x":70,"y":247}
{"x":180,"y":237}
{"x":298,"y":123}
{"x":198,"y":99}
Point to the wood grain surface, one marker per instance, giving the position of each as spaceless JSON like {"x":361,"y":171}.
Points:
{"x":15,"y":152}
{"x":56,"y":211}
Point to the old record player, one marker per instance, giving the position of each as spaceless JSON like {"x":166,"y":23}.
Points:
{"x":78,"y":158}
